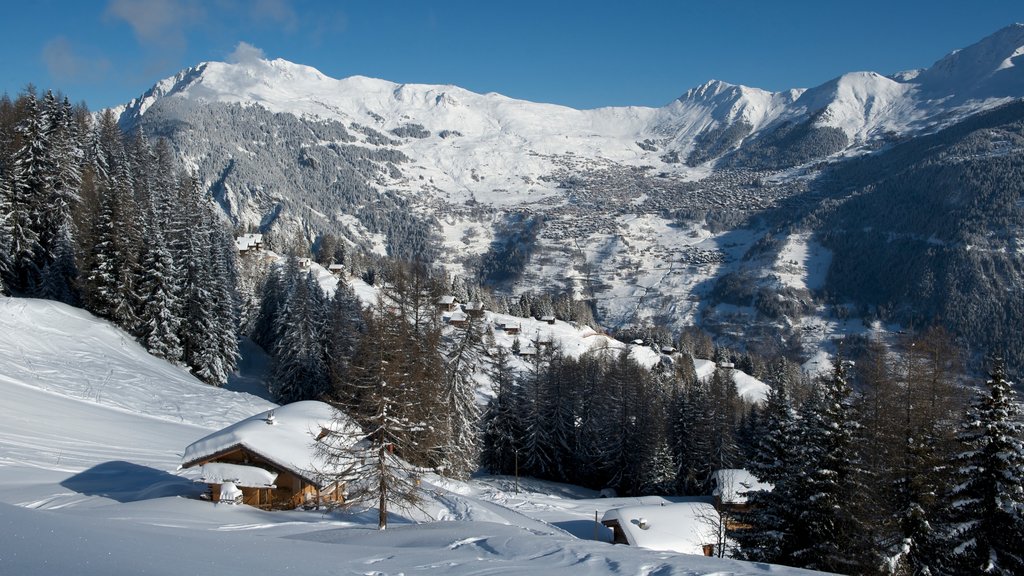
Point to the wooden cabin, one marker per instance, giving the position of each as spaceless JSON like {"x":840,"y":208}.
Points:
{"x":511,"y":329}
{"x":447,"y":303}
{"x":473,"y":309}
{"x":337,"y":269}
{"x":548,"y":319}
{"x":458,"y":319}
{"x":273,"y":458}
{"x":249,"y":243}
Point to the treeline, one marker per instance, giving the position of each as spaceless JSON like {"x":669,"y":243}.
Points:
{"x":93,"y":217}
{"x":878,"y":469}
{"x":604,"y":421}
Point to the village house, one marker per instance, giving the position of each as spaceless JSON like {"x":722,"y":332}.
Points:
{"x":685,"y":527}
{"x":247,"y":243}
{"x":447,"y":303}
{"x":458,"y":319}
{"x":475,"y":309}
{"x":272,"y":458}
{"x":337,"y":269}
{"x":510,"y":329}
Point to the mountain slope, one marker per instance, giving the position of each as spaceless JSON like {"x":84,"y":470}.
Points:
{"x":88,"y":484}
{"x":651,"y":214}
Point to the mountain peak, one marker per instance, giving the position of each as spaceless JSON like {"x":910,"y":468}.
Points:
{"x":993,"y":67}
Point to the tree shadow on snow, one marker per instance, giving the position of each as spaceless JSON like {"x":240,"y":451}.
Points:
{"x":127,"y":482}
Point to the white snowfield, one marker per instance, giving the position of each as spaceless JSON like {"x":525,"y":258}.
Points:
{"x":92,"y":431}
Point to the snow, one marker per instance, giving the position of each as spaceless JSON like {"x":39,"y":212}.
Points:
{"x":733,"y":484}
{"x":684,"y":527}
{"x":91,"y":434}
{"x":802,"y":263}
{"x":237,"y":474}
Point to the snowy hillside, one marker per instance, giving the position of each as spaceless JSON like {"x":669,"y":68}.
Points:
{"x":88,"y":483}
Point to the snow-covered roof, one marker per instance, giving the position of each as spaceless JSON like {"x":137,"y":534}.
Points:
{"x":474,"y":306}
{"x":458,"y":316}
{"x":684,"y":527}
{"x":238,"y":474}
{"x":446,"y":300}
{"x":246,"y":241}
{"x":732,"y":485}
{"x":285,"y":436}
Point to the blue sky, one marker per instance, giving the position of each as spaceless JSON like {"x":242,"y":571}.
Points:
{"x":583,"y":54}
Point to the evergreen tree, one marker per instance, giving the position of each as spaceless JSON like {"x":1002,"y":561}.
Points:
{"x":987,"y":499}
{"x":6,"y":230}
{"x":342,"y":333}
{"x":30,"y":187}
{"x":829,"y":534}
{"x":502,"y":422}
{"x":772,"y":513}
{"x":461,"y":453}
{"x":299,"y":371}
{"x":159,"y":322}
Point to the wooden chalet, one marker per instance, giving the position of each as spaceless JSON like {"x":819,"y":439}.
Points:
{"x":458,"y":319}
{"x":510,"y":329}
{"x":337,"y":269}
{"x":475,"y":309}
{"x":248,"y":243}
{"x":548,"y":319}
{"x":447,"y":303}
{"x":272,"y":458}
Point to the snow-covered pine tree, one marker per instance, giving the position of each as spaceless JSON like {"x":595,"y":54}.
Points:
{"x":299,"y":371}
{"x":112,"y":272}
{"x":57,"y":227}
{"x":536,"y":458}
{"x":341,"y":336}
{"x":6,"y":229}
{"x":32,"y":170}
{"x":829,"y":535}
{"x":987,"y":499}
{"x":691,"y":440}
{"x":159,"y":322}
{"x":772,"y":512}
{"x":60,"y":273}
{"x":460,"y":453}
{"x":502,"y":424}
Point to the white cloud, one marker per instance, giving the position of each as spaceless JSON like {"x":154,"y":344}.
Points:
{"x":245,"y":53}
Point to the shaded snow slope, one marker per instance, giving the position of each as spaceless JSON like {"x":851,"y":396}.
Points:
{"x":87,"y":483}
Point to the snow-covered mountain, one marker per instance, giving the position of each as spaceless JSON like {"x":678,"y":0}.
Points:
{"x":864,"y":105}
{"x":642,"y":211}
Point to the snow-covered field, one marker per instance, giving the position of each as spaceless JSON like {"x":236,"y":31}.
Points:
{"x":91,"y":435}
